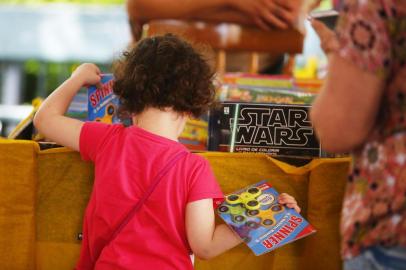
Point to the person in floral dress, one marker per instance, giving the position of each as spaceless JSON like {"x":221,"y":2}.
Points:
{"x":362,"y":109}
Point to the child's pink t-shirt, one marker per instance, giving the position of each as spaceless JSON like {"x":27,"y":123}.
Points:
{"x":126,"y":161}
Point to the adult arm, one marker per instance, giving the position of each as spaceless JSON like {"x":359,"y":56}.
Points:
{"x":219,"y":15}
{"x":263,"y":13}
{"x":50,"y":119}
{"x":345,"y":111}
{"x":146,"y":10}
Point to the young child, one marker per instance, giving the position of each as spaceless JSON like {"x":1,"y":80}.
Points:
{"x":161,"y":82}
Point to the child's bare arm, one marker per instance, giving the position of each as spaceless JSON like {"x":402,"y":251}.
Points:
{"x":208,"y":240}
{"x":205,"y":238}
{"x":50,"y":119}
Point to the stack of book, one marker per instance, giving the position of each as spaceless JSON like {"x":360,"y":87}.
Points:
{"x":265,"y":114}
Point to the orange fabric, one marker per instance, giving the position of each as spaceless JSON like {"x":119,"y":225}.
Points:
{"x":62,"y":182}
{"x":18,"y":187}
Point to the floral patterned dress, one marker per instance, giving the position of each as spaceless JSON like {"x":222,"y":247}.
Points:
{"x":372,"y":35}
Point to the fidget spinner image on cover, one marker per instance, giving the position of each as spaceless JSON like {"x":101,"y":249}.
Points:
{"x":247,"y":198}
{"x":248,"y":204}
{"x":108,"y":116}
{"x":238,"y":204}
{"x":236,"y":212}
{"x":243,"y":230}
{"x":267,"y":217}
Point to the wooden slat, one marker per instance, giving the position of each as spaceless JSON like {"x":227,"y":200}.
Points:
{"x":231,"y":37}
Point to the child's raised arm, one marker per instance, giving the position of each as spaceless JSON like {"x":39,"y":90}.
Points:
{"x":208,"y":240}
{"x":50,"y":119}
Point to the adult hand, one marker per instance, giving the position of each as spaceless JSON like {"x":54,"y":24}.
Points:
{"x":328,"y":38}
{"x":87,"y":74}
{"x":268,"y":13}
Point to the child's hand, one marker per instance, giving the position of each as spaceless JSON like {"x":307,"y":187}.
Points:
{"x":88,"y":74}
{"x":289,"y":201}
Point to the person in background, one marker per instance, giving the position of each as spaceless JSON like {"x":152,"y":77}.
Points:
{"x":161,"y":82}
{"x":362,"y":109}
{"x":264,"y":14}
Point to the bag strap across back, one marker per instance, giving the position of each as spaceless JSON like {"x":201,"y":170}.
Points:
{"x":149,"y":191}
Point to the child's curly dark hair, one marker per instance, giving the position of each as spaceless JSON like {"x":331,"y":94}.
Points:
{"x":164,"y":71}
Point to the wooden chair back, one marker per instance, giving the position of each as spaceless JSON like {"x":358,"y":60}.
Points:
{"x":228,"y":37}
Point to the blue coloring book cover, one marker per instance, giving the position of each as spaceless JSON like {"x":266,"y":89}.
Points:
{"x":102,"y":103}
{"x":256,"y":216}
